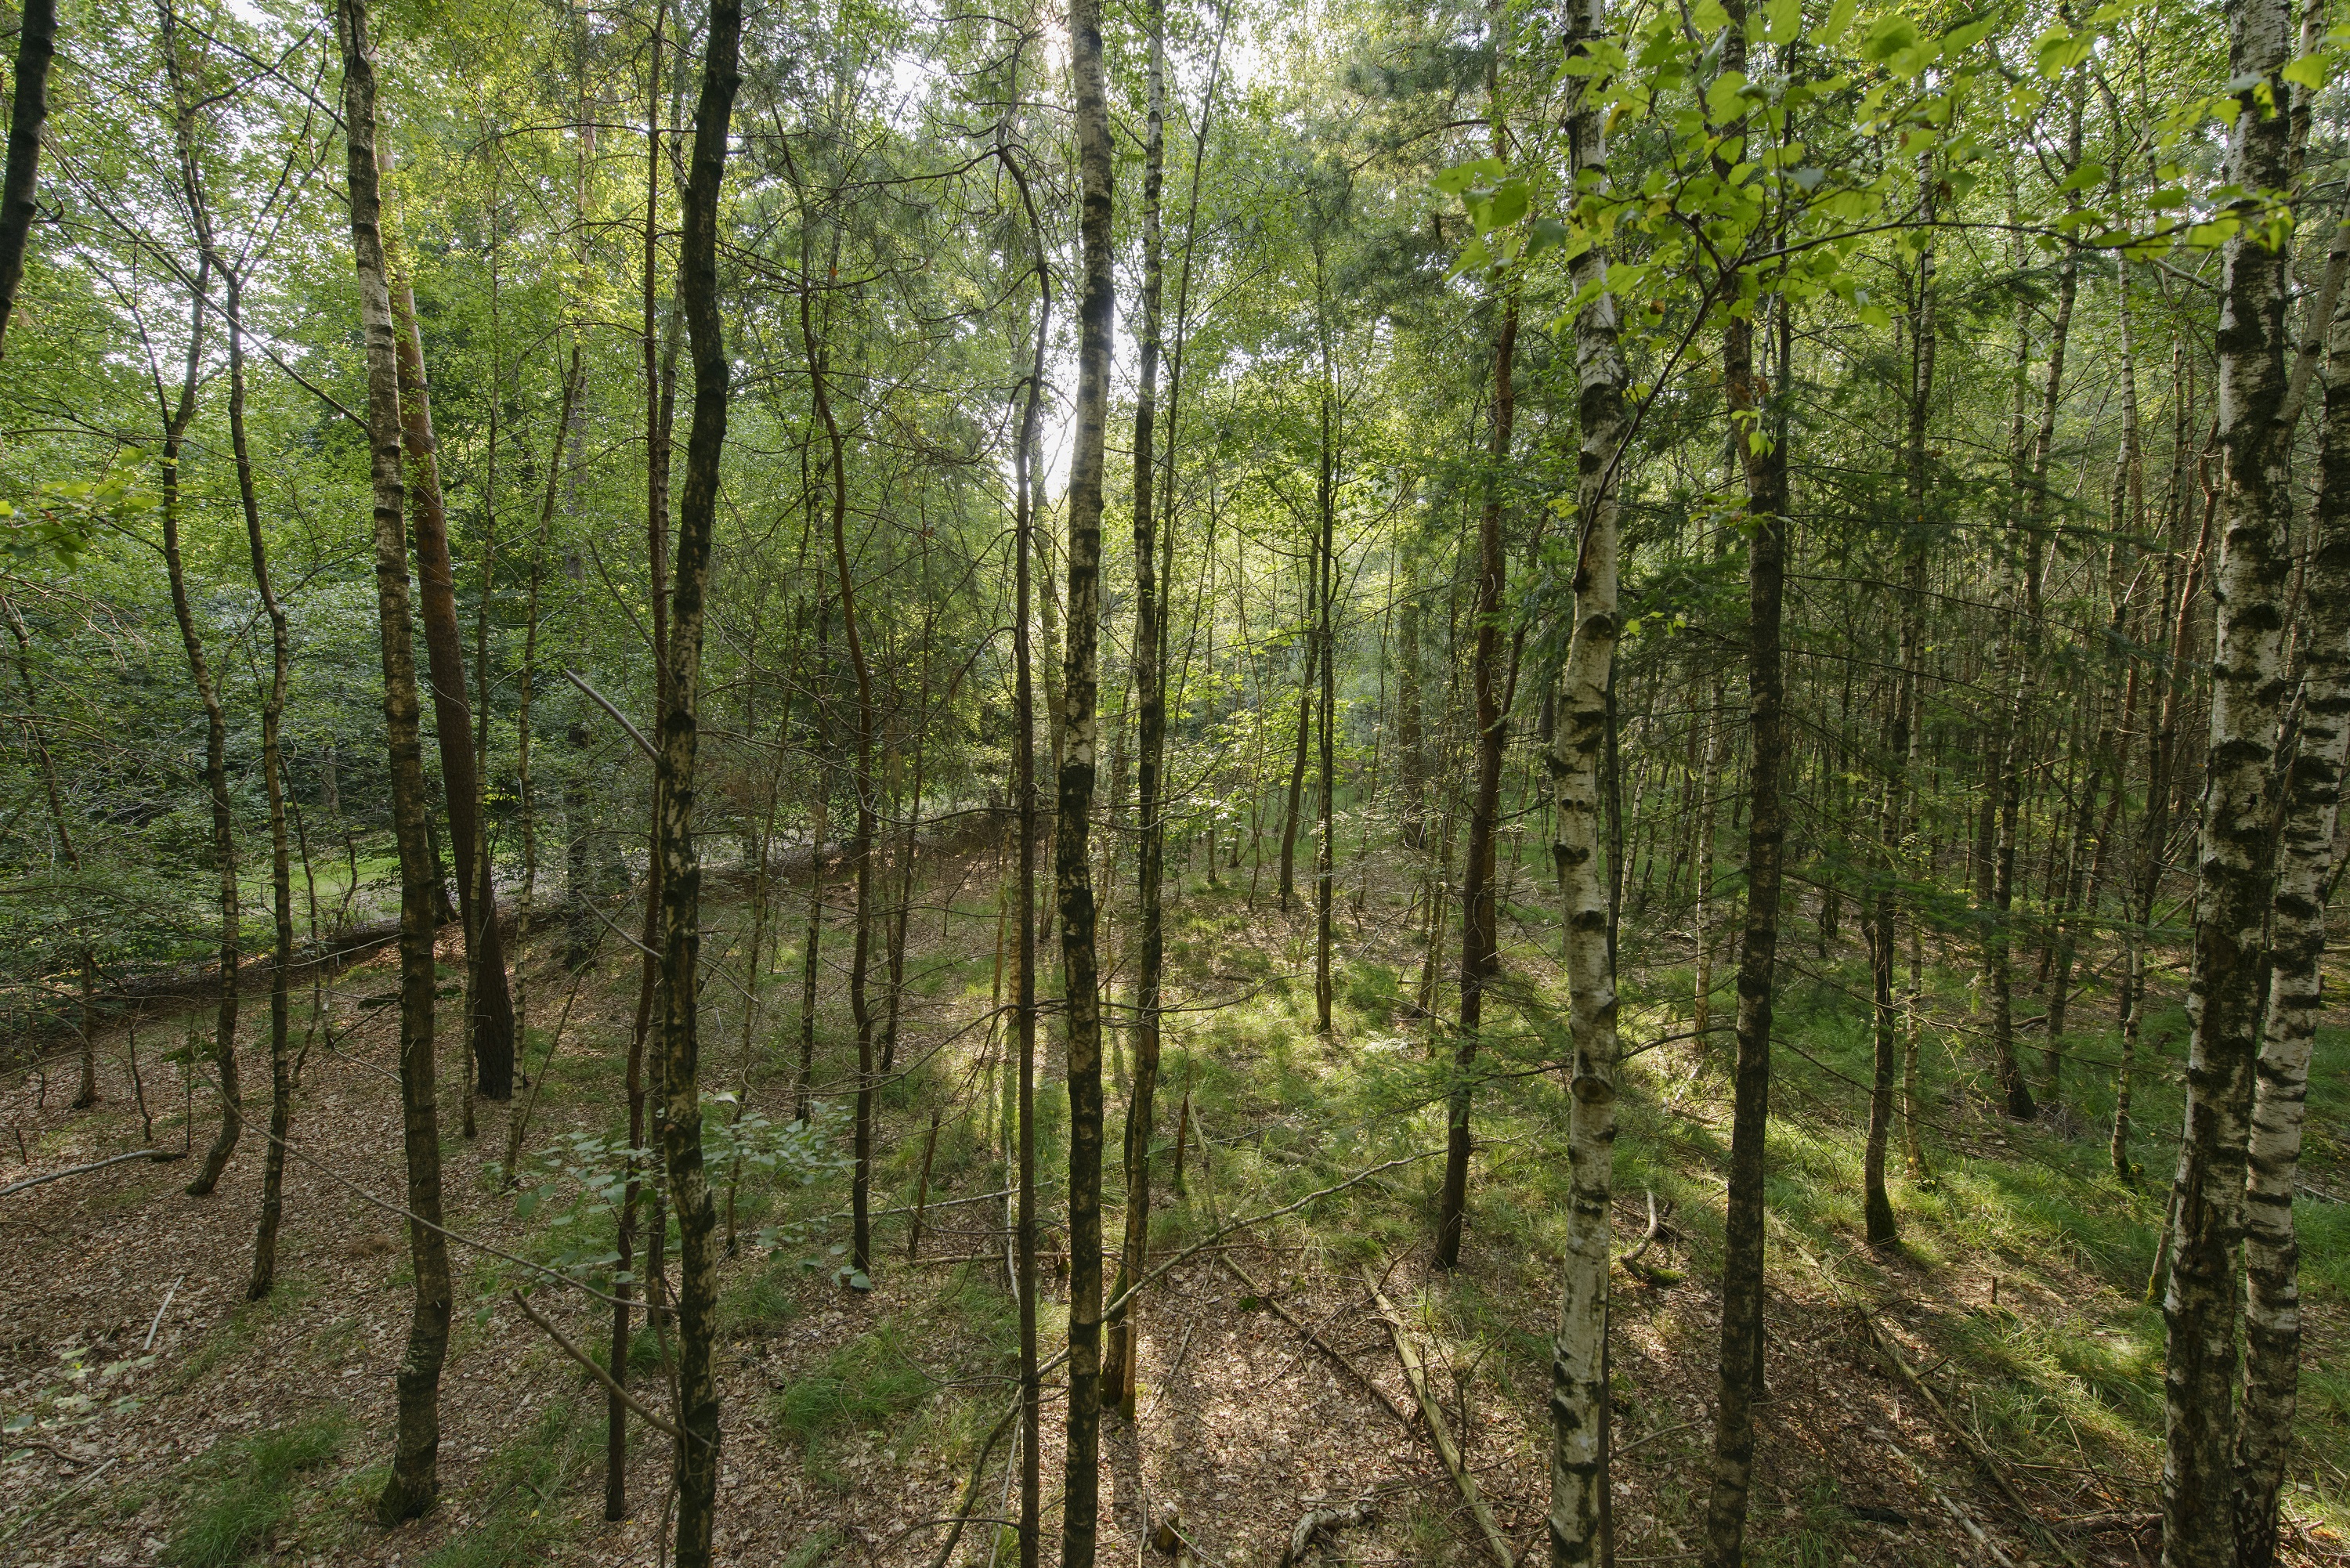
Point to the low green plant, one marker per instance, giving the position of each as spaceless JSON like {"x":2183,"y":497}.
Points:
{"x":242,"y":1496}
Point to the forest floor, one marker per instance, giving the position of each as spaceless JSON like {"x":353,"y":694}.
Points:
{"x":155,"y":1416}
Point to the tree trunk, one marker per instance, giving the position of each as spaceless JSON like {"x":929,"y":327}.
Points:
{"x":656,"y":442}
{"x":1121,"y":1362}
{"x":224,"y":822}
{"x":1073,"y":870}
{"x":2306,"y":857}
{"x":819,"y":822}
{"x":861,"y":781}
{"x":1326,"y":843}
{"x":1480,"y":953}
{"x":696,"y":1460}
{"x":490,"y":1029}
{"x":2237,"y":837}
{"x":28,"y":114}
{"x":1900,"y":743}
{"x":1740,"y":1369}
{"x":281,"y":868}
{"x":414,"y":1482}
{"x":1295,"y":799}
{"x":1024,"y":753}
{"x":1411,"y":771}
{"x":1579,"y":1403}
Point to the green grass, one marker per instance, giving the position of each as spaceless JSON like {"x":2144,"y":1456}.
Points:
{"x":866,"y":1386}
{"x":246,"y":1495}
{"x":526,"y":1480}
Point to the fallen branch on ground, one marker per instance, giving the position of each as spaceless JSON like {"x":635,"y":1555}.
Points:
{"x":1314,"y":1338}
{"x":160,"y":1156}
{"x":1446,"y":1448}
{"x":1318,"y":1520}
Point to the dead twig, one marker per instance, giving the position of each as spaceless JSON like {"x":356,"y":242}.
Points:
{"x":1314,"y":1338}
{"x":160,"y":1156}
{"x":1446,"y":1448}
{"x":1320,"y":1521}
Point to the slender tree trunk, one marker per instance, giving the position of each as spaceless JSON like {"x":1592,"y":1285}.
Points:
{"x":1023,"y":755}
{"x":281,"y":868}
{"x":1122,"y":1358}
{"x":414,"y":1482}
{"x":1296,"y":796}
{"x":1326,"y":843}
{"x":819,"y":823}
{"x":2238,"y":826}
{"x":2306,"y":857}
{"x":2154,"y":836}
{"x":1479,"y":950}
{"x":223,"y":821}
{"x":657,"y":456}
{"x":1411,"y":769}
{"x":861,"y":781}
{"x":1709,"y":788}
{"x":489,"y":1031}
{"x":1740,"y":1371}
{"x":696,"y":1462}
{"x":28,"y":114}
{"x":1579,"y":1403}
{"x":1899,"y":744}
{"x":1073,"y":872}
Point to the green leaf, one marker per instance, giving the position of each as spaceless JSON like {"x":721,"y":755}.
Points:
{"x":1875,"y":316}
{"x":1839,"y":21}
{"x":1723,"y":104}
{"x":1887,"y":37}
{"x":1783,"y":19}
{"x":2309,"y":71}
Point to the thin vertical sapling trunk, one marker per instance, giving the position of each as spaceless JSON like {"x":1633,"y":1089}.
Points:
{"x":1072,"y":871}
{"x":414,"y":1482}
{"x":1121,"y":1363}
{"x":1480,"y":949}
{"x":696,"y":1459}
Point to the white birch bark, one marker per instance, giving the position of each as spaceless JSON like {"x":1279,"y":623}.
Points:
{"x":1578,"y":1401}
{"x":2236,"y":849}
{"x":2296,"y":946}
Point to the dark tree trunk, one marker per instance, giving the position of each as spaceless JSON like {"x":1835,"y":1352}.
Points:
{"x":696,"y":1460}
{"x":223,"y":821}
{"x":1072,"y":869}
{"x":1740,"y":1376}
{"x":1479,"y":950}
{"x":1121,"y":1363}
{"x":37,"y":32}
{"x":490,"y":1029}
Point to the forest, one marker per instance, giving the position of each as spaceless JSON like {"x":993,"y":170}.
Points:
{"x":1403,"y":782}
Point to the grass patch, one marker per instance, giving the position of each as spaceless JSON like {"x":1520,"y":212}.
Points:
{"x":526,"y":1476}
{"x":238,"y":1506}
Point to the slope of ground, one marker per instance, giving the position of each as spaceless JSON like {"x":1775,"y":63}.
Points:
{"x":154,"y":1416}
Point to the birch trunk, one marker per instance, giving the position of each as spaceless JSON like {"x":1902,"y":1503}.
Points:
{"x":2296,"y":999}
{"x":2237,"y":851}
{"x":1579,"y":1403}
